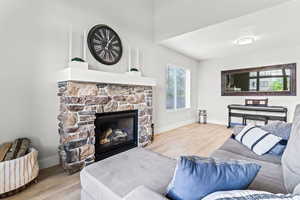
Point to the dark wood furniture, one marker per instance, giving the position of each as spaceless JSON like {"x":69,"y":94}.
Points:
{"x":267,"y":113}
{"x":252,"y":81}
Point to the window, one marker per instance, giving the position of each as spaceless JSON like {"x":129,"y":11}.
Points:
{"x":178,"y":88}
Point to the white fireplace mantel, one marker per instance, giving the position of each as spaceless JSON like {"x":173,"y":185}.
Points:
{"x":84,"y":75}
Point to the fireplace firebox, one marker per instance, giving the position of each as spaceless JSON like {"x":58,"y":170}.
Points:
{"x":115,"y":132}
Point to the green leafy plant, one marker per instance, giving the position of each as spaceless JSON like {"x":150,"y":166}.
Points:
{"x":77,"y":59}
{"x":277,"y":85}
{"x":134,"y":70}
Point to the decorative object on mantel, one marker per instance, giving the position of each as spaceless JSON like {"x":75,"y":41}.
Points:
{"x":134,"y":70}
{"x":70,"y":43}
{"x":105,"y":44}
{"x":80,"y":65}
{"x":256,"y":102}
{"x":19,"y":165}
{"x":77,"y":59}
{"x":71,"y":74}
{"x":77,"y":62}
{"x":137,"y":64}
{"x":129,"y":59}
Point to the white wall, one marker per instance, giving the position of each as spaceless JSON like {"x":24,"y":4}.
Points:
{"x":209,"y":76}
{"x":34,"y":48}
{"x":165,"y":120}
{"x":176,"y":17}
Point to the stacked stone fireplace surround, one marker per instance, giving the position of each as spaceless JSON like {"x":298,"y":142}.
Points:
{"x":80,"y":101}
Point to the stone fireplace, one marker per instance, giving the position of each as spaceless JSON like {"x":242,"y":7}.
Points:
{"x":95,"y":118}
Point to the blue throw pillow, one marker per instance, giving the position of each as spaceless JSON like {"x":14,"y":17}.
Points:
{"x":279,"y":148}
{"x":281,"y":129}
{"x":278,"y":128}
{"x":196,"y":177}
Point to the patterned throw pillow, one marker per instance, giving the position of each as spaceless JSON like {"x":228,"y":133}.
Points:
{"x":250,"y":195}
{"x":278,"y":128}
{"x":257,"y":139}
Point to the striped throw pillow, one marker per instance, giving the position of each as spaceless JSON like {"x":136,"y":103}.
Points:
{"x":257,"y":139}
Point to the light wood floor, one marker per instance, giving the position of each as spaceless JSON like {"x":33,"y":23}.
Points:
{"x":192,"y":139}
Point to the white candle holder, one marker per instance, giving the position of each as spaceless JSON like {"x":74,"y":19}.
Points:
{"x":78,"y":65}
{"x":134,"y":73}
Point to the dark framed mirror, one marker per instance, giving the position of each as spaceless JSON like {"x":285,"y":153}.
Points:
{"x":275,"y":80}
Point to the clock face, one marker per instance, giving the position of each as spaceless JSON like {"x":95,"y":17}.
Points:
{"x":105,"y":44}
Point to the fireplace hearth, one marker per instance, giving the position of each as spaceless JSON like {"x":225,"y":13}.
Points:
{"x":115,"y":132}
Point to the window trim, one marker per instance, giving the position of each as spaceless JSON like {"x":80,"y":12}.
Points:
{"x":187,"y":89}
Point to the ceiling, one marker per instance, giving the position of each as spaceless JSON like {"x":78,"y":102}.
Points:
{"x":273,"y":27}
{"x":175,"y":17}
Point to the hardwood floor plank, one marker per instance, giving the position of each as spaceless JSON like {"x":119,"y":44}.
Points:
{"x":193,"y":139}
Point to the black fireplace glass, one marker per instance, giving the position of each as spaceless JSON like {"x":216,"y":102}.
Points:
{"x":115,"y":132}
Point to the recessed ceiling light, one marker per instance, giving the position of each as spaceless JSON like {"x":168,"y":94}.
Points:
{"x":245,"y":40}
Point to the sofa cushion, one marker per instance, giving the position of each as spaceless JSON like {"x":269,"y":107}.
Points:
{"x":297,"y":190}
{"x":85,"y":196}
{"x":234,"y":146}
{"x":144,"y":193}
{"x":116,"y":176}
{"x":280,"y":129}
{"x":290,"y":158}
{"x":269,"y":177}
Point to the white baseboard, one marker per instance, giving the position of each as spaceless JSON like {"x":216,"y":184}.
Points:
{"x":49,"y":161}
{"x":173,"y":126}
{"x":217,"y":122}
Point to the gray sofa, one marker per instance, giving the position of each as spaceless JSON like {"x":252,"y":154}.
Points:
{"x":140,"y":174}
{"x":269,"y":178}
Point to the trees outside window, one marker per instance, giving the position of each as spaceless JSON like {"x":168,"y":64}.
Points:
{"x":178,"y":88}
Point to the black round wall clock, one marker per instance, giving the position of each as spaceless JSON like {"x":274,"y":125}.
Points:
{"x":105,"y":45}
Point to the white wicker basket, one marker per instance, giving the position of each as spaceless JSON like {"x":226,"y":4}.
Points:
{"x":16,"y":173}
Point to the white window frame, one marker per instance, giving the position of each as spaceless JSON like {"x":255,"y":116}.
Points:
{"x":187,"y":89}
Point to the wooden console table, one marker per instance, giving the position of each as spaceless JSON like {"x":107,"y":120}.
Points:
{"x":259,"y":113}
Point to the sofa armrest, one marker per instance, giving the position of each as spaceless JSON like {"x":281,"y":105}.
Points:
{"x":297,"y":190}
{"x":143,"y":193}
